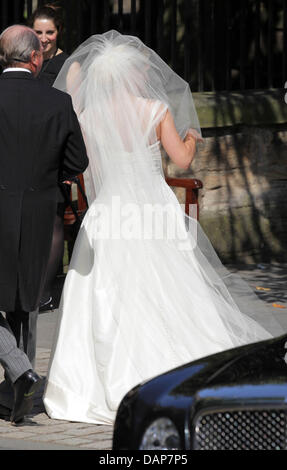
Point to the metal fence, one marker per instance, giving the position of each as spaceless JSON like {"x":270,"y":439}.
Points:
{"x":213,"y":44}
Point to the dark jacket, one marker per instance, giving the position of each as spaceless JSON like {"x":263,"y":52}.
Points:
{"x":40,"y":144}
{"x":51,"y":68}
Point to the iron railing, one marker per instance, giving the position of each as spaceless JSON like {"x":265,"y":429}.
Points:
{"x":213,"y":44}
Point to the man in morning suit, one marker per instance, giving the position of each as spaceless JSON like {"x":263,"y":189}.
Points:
{"x":40,"y":144}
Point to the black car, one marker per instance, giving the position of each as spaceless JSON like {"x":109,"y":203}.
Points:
{"x":236,"y":399}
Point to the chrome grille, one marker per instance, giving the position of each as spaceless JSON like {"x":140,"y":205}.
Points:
{"x":241,"y":430}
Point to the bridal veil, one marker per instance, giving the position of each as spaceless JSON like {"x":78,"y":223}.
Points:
{"x":121,"y":90}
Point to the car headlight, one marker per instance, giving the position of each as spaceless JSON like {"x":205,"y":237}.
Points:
{"x":161,"y":434}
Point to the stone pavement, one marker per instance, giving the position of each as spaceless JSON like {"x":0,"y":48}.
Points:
{"x":41,"y":433}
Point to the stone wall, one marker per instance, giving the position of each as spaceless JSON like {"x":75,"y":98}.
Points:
{"x":243,"y":167}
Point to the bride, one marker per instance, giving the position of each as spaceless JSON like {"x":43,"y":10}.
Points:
{"x":145,"y":291}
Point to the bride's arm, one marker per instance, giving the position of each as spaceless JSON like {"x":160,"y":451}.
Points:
{"x":180,"y":151}
{"x":73,"y":77}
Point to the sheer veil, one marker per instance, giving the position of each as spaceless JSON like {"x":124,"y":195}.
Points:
{"x":121,"y":90}
{"x":115,"y":80}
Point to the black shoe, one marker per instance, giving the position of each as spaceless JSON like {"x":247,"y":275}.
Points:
{"x":46,"y":305}
{"x":5,"y":413}
{"x":24,"y":391}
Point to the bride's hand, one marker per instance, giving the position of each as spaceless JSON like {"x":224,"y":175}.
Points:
{"x":195,"y":135}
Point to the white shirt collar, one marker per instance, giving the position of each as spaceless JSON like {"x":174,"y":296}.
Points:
{"x":16,"y":69}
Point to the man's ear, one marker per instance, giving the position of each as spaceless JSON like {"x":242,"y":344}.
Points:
{"x":36,"y":60}
{"x":34,"y":57}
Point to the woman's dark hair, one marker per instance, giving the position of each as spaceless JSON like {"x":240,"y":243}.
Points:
{"x":50,"y":12}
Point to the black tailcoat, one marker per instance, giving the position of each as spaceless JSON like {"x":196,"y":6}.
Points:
{"x":40,"y":144}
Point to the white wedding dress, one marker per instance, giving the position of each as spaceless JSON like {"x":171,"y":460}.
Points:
{"x":145,"y":291}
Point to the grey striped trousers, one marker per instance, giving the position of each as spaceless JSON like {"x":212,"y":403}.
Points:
{"x":12,"y":358}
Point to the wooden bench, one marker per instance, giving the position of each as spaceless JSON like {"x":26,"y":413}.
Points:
{"x":80,"y":206}
{"x":191,"y":186}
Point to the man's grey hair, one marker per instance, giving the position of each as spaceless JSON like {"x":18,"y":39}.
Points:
{"x":16,"y":45}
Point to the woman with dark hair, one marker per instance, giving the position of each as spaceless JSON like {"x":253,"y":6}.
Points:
{"x":47,"y":22}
